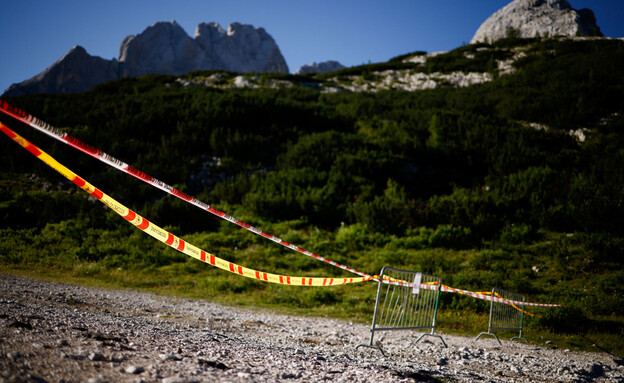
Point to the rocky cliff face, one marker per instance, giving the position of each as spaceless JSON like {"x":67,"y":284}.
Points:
{"x":75,"y":72}
{"x":166,"y":48}
{"x":162,"y":48}
{"x":242,"y":48}
{"x":530,"y":18}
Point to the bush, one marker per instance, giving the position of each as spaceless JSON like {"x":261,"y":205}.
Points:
{"x":568,"y":320}
{"x":451,"y":237}
{"x":359,"y":237}
{"x":516,"y":234}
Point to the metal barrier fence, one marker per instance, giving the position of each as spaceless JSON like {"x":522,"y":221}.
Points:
{"x":505,"y":317}
{"x":409,"y":303}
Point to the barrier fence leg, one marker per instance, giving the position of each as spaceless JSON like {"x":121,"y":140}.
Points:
{"x":435,"y":316}
{"x":489,"y":331}
{"x":491,"y":334}
{"x":370,"y":343}
{"x":520,"y":337}
{"x":432,"y":334}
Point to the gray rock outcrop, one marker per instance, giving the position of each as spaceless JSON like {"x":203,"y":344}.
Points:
{"x":166,"y":48}
{"x":162,"y":48}
{"x":242,"y":48}
{"x":76,"y":71}
{"x":322,"y":67}
{"x":532,"y":18}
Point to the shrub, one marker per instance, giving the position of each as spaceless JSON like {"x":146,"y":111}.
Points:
{"x":516,"y":234}
{"x":450,"y":236}
{"x":565,"y":319}
{"x":358,"y":237}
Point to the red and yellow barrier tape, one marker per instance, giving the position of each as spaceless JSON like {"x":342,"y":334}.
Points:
{"x":488,"y":297}
{"x":53,"y":132}
{"x":168,"y":238}
{"x":514,"y":306}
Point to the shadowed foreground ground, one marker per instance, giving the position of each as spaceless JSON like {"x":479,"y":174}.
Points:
{"x":54,"y":332}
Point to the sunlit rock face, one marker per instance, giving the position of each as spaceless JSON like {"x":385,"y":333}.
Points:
{"x":532,"y":18}
{"x":163,"y":48}
{"x":166,"y":48}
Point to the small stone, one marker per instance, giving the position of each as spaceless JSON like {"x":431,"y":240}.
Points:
{"x":299,"y":352}
{"x":213,"y":364}
{"x":289,"y":375}
{"x":13,"y":355}
{"x":516,"y":370}
{"x":18,"y":324}
{"x":170,"y":357}
{"x":176,"y":379}
{"x":97,"y":357}
{"x":62,"y":343}
{"x":134,"y":370}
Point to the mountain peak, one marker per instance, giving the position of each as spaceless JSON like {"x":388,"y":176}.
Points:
{"x":164,"y":47}
{"x":75,"y":72}
{"x":530,"y":18}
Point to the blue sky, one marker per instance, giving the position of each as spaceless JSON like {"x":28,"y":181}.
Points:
{"x":36,"y":33}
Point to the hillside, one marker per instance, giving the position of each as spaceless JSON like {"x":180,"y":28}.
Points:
{"x":512,"y":181}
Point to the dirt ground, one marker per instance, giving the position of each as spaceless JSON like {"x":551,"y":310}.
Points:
{"x":57,"y":332}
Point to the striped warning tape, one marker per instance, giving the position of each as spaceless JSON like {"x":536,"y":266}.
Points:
{"x":513,"y":305}
{"x":488,"y":297}
{"x":124,"y":167}
{"x":168,"y":238}
{"x":178,"y":243}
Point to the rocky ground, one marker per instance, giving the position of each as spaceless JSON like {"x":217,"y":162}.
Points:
{"x":54,"y":332}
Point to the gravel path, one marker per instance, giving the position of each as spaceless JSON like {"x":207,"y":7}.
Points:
{"x":55,"y":332}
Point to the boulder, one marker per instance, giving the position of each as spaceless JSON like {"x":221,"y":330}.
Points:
{"x":532,"y":18}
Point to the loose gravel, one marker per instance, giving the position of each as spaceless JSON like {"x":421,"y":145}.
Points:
{"x":57,"y":332}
